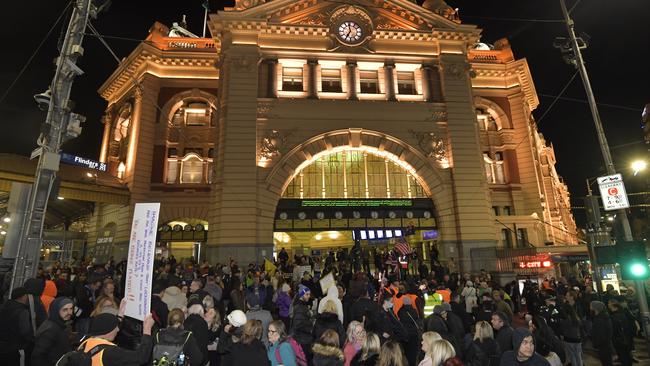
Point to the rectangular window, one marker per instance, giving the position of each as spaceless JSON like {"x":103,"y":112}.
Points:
{"x":331,"y":80}
{"x":172,"y":152}
{"x":495,"y":209}
{"x":292,"y":79}
{"x":522,"y":240}
{"x":506,"y":238}
{"x":494,"y":168}
{"x":192,"y":171}
{"x":172,"y":171}
{"x":369,"y":81}
{"x":406,"y":83}
{"x":507,"y":211}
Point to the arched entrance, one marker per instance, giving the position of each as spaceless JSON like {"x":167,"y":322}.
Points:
{"x":361,"y":182}
{"x":183,"y":238}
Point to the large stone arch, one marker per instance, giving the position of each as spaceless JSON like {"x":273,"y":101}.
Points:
{"x":499,"y":115}
{"x":177,"y":99}
{"x":435,"y":181}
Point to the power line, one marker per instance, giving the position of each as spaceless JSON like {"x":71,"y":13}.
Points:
{"x":586,"y":102}
{"x":557,"y":97}
{"x":500,"y":19}
{"x":29,"y":60}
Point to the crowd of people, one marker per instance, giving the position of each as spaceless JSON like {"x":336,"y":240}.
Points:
{"x":311,"y":311}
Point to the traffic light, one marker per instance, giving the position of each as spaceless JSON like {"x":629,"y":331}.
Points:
{"x":633,"y":260}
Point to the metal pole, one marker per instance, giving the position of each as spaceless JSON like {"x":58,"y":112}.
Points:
{"x":607,"y":157}
{"x":56,"y":123}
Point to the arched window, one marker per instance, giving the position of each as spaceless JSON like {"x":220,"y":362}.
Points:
{"x":354,"y":173}
{"x":192,"y":167}
{"x":485,"y":120}
{"x":192,"y":113}
{"x":122,"y":123}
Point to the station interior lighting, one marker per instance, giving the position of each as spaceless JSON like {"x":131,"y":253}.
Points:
{"x":60,"y":198}
{"x":7,"y":219}
{"x":639,"y":165}
{"x":3,"y":232}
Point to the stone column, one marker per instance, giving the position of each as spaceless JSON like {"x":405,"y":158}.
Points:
{"x":474,"y":218}
{"x":427,"y":87}
{"x":389,"y":75}
{"x":352,"y":80}
{"x":272,"y":84}
{"x":106,"y":137}
{"x":312,"y":80}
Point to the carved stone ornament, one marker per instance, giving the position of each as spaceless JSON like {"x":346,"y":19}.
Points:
{"x":432,"y":145}
{"x":437,"y":116}
{"x":245,"y":4}
{"x":456,"y":71}
{"x":272,"y":145}
{"x":264,"y":110}
{"x":319,"y":19}
{"x":243,"y":64}
{"x":441,"y":8}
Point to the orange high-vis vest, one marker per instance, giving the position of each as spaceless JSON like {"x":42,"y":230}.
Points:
{"x":91,"y":343}
{"x":446,"y":295}
{"x":399,"y":302}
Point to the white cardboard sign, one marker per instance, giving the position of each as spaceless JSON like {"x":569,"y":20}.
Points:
{"x":612,"y":192}
{"x":139,"y":267}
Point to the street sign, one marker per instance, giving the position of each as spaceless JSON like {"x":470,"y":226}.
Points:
{"x":79,"y":161}
{"x":612,"y":192}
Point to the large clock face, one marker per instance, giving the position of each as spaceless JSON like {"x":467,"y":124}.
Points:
{"x":350,"y":32}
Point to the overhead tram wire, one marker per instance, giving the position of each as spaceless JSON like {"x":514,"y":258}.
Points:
{"x":136,"y":83}
{"x":31,"y":58}
{"x":569,"y":99}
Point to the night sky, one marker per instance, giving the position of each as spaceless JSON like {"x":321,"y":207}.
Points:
{"x":617,"y":59}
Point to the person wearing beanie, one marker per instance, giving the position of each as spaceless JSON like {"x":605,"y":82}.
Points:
{"x":53,"y":336}
{"x":523,"y":351}
{"x":602,"y":332}
{"x":301,"y":320}
{"x":16,"y":332}
{"x":104,"y":329}
{"x":35,"y":287}
{"x":502,"y":331}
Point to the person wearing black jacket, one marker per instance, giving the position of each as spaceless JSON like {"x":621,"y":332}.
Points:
{"x":408,"y":316}
{"x":523,"y":353}
{"x":104,"y":329}
{"x":199,"y":328}
{"x":250,"y":350}
{"x":483,"y":350}
{"x":623,"y":333}
{"x":35,"y":287}
{"x":503,"y":331}
{"x":159,"y":309}
{"x":328,"y":319}
{"x":53,"y":336}
{"x":16,"y":331}
{"x":175,"y":334}
{"x":387,"y":325}
{"x":601,"y":334}
{"x":301,"y":322}
{"x":455,"y":326}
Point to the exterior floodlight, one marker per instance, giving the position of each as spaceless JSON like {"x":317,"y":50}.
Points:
{"x":639,"y":165}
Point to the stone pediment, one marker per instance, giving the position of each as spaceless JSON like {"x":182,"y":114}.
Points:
{"x":397,"y":15}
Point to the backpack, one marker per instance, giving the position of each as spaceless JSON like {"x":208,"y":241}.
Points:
{"x":80,"y":358}
{"x":301,"y":359}
{"x":169,"y":346}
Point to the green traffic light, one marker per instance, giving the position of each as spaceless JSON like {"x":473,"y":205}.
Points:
{"x":638,"y":270}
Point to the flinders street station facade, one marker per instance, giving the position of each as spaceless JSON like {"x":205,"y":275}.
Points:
{"x":303,"y":123}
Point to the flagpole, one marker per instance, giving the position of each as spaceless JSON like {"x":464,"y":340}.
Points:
{"x":205,"y":19}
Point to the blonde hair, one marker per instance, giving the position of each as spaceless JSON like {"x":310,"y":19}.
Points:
{"x":372,"y":346}
{"x":430,"y":338}
{"x":352,"y":334}
{"x":441,"y":351}
{"x":391,"y":355}
{"x":483,"y":331}
{"x":252,"y":331}
{"x":175,"y":318}
{"x":330,"y":307}
{"x":100,"y":308}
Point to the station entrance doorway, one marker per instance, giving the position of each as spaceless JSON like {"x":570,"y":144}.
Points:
{"x":349,"y":190}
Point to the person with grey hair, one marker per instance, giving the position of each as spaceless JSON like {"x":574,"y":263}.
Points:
{"x":196,"y":324}
{"x":601,"y":335}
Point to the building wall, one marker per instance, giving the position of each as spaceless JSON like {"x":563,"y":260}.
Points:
{"x":240,"y":72}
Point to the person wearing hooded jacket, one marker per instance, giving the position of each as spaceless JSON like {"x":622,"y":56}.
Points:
{"x":328,"y":319}
{"x":35,"y":287}
{"x":408,"y":316}
{"x":49,"y":294}
{"x":332,"y":294}
{"x":173,"y":297}
{"x":53,"y":336}
{"x":16,"y":332}
{"x":302,"y":322}
{"x":523,"y":352}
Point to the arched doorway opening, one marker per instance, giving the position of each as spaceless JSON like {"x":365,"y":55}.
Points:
{"x":184,"y":238}
{"x":354,"y":192}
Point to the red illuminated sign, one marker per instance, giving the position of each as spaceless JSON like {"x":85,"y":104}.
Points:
{"x":535,"y":264}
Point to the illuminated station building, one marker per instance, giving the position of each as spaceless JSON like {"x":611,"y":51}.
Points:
{"x":299,"y":123}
